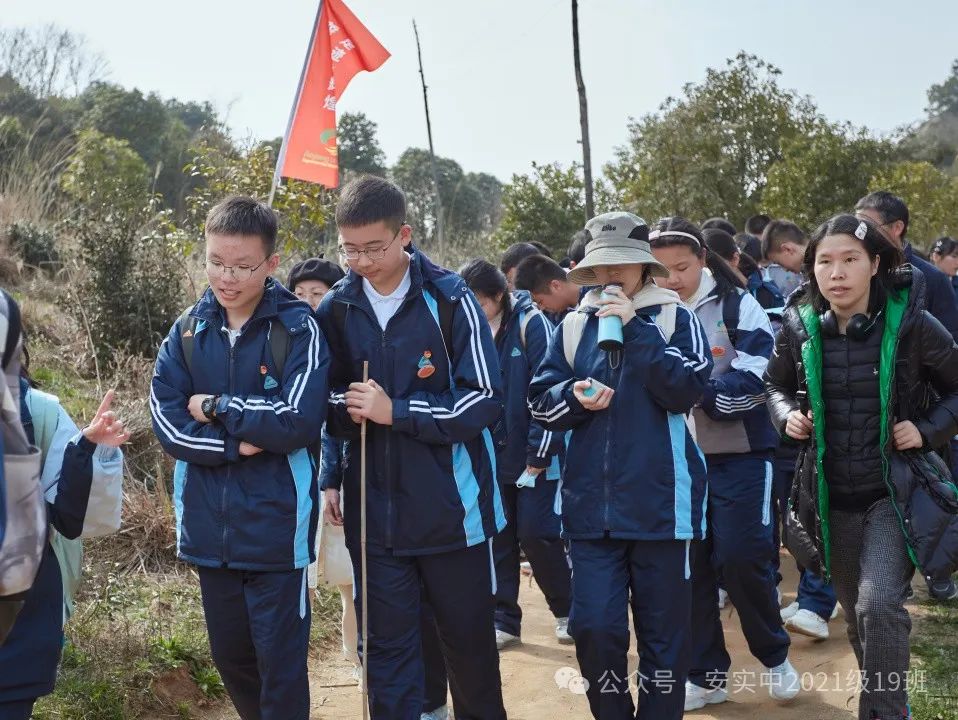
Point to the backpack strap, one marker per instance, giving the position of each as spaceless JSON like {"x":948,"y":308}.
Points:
{"x":524,"y":318}
{"x":443,"y":313}
{"x":279,"y":340}
{"x":45,"y":413}
{"x":730,"y":309}
{"x":665,"y":319}
{"x":573,"y":325}
{"x":187,"y":327}
{"x":340,"y":310}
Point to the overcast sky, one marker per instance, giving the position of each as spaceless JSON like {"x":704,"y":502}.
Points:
{"x":501,"y":84}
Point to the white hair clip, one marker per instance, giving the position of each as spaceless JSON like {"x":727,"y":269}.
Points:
{"x":861,"y":230}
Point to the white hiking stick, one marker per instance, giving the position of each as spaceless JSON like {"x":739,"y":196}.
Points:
{"x":362,"y":551}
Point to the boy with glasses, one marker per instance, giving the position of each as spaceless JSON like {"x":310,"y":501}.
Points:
{"x":238,"y":397}
{"x":432,"y":503}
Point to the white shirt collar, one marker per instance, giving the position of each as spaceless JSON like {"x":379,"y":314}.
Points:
{"x":398,"y":294}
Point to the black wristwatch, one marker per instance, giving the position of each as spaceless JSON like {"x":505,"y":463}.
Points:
{"x":209,"y":406}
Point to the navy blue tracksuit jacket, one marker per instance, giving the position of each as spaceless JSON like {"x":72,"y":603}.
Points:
{"x":244,"y":513}
{"x":431,"y":475}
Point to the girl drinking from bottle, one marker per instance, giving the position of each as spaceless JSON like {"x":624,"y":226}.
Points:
{"x":734,"y":432}
{"x":865,"y":377}
{"x":633,"y":485}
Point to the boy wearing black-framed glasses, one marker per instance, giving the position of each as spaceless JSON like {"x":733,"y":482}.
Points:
{"x":433,"y":505}
{"x":238,"y":399}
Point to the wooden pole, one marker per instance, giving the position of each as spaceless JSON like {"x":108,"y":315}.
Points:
{"x":432,"y":154}
{"x":583,"y":116}
{"x":362,"y":538}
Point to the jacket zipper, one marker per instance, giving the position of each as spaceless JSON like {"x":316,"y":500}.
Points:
{"x":229,"y":470}
{"x":851,"y":409}
{"x":608,"y":443}
{"x":387,"y":386}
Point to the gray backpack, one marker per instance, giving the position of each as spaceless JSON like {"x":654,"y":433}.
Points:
{"x":23,"y":516}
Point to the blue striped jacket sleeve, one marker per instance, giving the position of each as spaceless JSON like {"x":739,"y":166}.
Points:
{"x":70,"y":467}
{"x":475,"y":400}
{"x":733,"y":394}
{"x":675,"y":373}
{"x":551,"y":401}
{"x":338,"y":422}
{"x":542,"y":443}
{"x":330,"y":463}
{"x":181,"y":436}
{"x":295,"y":419}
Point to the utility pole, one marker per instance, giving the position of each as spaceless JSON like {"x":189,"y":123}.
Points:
{"x":583,"y":116}
{"x":432,"y":153}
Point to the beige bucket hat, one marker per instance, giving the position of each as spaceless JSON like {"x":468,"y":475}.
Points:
{"x":616,"y":238}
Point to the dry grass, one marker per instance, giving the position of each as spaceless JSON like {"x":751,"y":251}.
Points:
{"x":30,"y":182}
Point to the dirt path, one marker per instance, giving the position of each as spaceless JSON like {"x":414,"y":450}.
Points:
{"x":530,"y":690}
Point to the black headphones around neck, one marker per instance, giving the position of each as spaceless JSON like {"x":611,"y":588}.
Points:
{"x":859,"y":326}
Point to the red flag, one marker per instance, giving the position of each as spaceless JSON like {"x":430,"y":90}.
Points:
{"x":341,"y":46}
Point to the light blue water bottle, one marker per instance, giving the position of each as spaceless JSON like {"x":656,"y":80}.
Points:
{"x":610,"y":327}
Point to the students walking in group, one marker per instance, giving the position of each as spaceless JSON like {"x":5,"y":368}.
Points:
{"x":733,"y":430}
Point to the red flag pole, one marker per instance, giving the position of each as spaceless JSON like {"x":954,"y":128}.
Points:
{"x":292,"y":113}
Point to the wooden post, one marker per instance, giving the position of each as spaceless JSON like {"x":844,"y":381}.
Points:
{"x":432,"y":154}
{"x":583,"y":116}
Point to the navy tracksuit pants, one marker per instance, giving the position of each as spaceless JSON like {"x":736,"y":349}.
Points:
{"x":459,"y":587}
{"x":533,"y":524}
{"x":17,"y":709}
{"x":813,"y":592}
{"x":739,"y":546}
{"x":653,"y":577}
{"x":258,"y":625}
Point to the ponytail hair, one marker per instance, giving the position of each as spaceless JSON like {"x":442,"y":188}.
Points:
{"x":724,"y":245}
{"x":672,"y":231}
{"x":484,"y":278}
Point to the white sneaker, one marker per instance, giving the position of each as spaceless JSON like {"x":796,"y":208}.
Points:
{"x":441,"y":713}
{"x":562,"y":631}
{"x":698,"y":697}
{"x":789,"y":611}
{"x":504,"y":639}
{"x":808,"y":623}
{"x":778,"y":595}
{"x":722,"y":598}
{"x":834,"y":612}
{"x":784,"y":682}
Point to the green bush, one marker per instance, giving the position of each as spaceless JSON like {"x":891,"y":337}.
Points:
{"x":132,"y":286}
{"x":35,"y":245}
